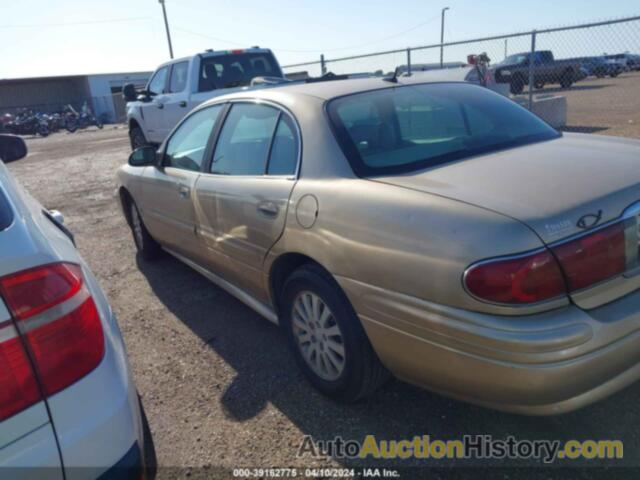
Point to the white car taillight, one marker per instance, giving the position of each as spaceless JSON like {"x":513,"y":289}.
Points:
{"x":60,"y":328}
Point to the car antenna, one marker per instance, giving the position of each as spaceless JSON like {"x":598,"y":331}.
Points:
{"x":394,"y":78}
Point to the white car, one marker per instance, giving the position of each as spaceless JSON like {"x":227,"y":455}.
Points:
{"x":68,"y":405}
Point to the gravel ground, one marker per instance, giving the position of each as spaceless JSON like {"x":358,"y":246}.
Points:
{"x":219,"y":386}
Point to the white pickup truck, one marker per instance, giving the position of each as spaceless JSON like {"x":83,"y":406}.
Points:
{"x":178,"y":86}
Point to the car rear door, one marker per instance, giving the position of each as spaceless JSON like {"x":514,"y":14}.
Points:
{"x":176,"y":98}
{"x":241,"y":201}
{"x":166,"y":199}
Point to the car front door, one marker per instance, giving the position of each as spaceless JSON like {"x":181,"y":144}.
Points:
{"x":167,"y":190}
{"x":176,"y":98}
{"x":153,"y":110}
{"x":241,"y":201}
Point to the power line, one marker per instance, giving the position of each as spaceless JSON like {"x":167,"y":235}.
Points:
{"x":71,"y":24}
{"x":350,"y":47}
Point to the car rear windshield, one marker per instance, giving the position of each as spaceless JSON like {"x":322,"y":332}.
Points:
{"x":236,"y":70}
{"x":411,"y":127}
{"x":6,"y":214}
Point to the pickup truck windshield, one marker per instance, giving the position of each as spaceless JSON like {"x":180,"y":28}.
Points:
{"x":412,"y":127}
{"x":236,"y":70}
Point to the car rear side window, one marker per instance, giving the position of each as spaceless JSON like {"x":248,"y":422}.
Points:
{"x":412,"y":127}
{"x":283,"y":158}
{"x":188,"y":143}
{"x":6,"y":214}
{"x":178,"y":80}
{"x":243,"y":145}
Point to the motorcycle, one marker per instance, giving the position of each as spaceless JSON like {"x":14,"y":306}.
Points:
{"x":74,"y":120}
{"x":27,"y":124}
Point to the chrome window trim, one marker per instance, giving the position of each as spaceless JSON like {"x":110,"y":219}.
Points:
{"x":283,"y":110}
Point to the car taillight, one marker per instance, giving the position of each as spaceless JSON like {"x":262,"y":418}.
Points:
{"x":18,"y":387}
{"x":565,"y":268}
{"x":58,"y":320}
{"x":593,"y":258}
{"x":526,"y":279}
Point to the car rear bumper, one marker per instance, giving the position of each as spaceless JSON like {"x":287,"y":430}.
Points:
{"x":541,"y":364}
{"x":129,"y":467}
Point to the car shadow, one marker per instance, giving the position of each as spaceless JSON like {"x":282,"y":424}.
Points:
{"x":583,"y":129}
{"x":266,"y":373}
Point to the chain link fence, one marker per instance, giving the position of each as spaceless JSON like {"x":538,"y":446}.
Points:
{"x":589,"y":82}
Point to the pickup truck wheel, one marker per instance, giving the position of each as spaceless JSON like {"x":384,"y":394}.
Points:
{"x":567,"y":79}
{"x":145,"y":244}
{"x":517,"y":85}
{"x":136,"y":136}
{"x":327,"y":339}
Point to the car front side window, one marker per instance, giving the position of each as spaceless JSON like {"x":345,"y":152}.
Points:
{"x":158,"y":82}
{"x":187,"y":145}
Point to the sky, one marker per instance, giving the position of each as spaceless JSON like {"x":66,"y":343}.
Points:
{"x":45,"y":37}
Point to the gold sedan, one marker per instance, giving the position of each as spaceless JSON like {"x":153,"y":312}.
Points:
{"x":437,"y":231}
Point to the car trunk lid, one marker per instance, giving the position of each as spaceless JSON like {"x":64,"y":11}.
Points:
{"x":559,"y":188}
{"x":549,"y":186}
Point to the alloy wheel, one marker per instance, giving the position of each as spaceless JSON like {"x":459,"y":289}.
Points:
{"x":318,"y":336}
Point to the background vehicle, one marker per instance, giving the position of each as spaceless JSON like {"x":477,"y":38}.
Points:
{"x":67,"y":399}
{"x":522,"y":299}
{"x":600,"y":67}
{"x":476,"y":71}
{"x":27,"y":123}
{"x":178,"y":86}
{"x":514,"y":70}
{"x":626,"y":61}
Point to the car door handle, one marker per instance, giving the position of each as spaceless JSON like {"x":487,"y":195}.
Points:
{"x":183,"y":103}
{"x":269,"y":209}
{"x":160,"y":105}
{"x":184,"y":191}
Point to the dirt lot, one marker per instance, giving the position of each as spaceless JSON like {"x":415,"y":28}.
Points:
{"x":219,"y":386}
{"x":608,"y":106}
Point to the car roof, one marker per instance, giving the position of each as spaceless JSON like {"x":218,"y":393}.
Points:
{"x":327,"y":90}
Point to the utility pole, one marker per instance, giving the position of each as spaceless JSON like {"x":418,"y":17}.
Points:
{"x":442,"y":38}
{"x":166,"y":26}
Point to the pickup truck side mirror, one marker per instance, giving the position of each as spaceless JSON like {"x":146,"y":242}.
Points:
{"x":129,"y":92}
{"x":12,"y":148}
{"x":143,"y":156}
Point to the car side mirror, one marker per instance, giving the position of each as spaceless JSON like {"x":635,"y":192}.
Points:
{"x":12,"y":148}
{"x":129,"y":92}
{"x":143,"y":156}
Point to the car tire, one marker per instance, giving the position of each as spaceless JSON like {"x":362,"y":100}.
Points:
{"x":318,"y":317}
{"x":517,"y":85}
{"x":567,"y":79}
{"x":145,"y":244}
{"x":136,"y":137}
{"x":539,"y":85}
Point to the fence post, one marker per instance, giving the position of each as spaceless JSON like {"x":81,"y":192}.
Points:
{"x":531,"y":68}
{"x":409,"y":60}
{"x":323,"y":65}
